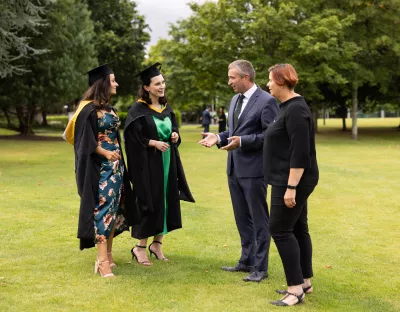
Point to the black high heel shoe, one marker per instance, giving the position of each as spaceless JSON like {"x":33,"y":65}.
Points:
{"x":305,"y":290}
{"x":152,"y":252}
{"x":134,"y":256}
{"x":280,"y":303}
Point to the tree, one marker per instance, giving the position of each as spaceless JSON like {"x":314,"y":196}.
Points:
{"x":55,"y":77}
{"x":121,"y":37}
{"x":16,"y":17}
{"x":340,"y":49}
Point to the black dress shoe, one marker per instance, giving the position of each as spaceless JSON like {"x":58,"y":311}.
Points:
{"x":237,"y":268}
{"x":256,"y":276}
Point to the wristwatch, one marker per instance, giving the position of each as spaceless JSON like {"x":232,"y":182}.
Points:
{"x":291,"y":187}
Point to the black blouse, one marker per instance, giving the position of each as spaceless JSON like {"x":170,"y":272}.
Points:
{"x":289,"y":142}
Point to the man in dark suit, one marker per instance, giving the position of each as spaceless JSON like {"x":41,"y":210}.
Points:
{"x":250,"y":112}
{"x":206,"y":118}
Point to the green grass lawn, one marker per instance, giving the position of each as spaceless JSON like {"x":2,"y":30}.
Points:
{"x":354,"y":218}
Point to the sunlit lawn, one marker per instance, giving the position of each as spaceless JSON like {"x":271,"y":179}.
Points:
{"x":354,"y":222}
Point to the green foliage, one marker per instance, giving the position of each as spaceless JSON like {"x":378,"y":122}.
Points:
{"x":55,"y":77}
{"x":124,"y":102}
{"x":121,"y":37}
{"x":178,"y":116}
{"x":122,"y":117}
{"x":16,"y":18}
{"x":336,"y":47}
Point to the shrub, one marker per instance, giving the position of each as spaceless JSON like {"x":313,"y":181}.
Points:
{"x":122,"y":117}
{"x":178,"y":117}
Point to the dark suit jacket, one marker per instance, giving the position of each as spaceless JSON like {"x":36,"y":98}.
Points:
{"x":206,"y":117}
{"x":259,"y":112}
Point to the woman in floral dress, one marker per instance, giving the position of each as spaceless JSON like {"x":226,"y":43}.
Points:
{"x":100,"y":172}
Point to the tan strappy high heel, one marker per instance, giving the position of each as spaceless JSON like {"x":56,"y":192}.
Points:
{"x":100,"y":266}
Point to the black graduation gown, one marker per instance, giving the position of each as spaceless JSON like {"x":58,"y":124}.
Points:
{"x":146,"y":172}
{"x":87,"y":170}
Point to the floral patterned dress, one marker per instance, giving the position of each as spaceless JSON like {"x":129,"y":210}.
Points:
{"x":108,"y":210}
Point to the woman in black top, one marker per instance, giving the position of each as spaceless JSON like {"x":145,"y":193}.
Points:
{"x":290,"y":166}
{"x":221,"y":120}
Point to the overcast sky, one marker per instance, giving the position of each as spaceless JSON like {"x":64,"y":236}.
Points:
{"x":159,"y":13}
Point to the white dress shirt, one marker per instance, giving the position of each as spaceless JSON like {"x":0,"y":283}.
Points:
{"x":247,"y":96}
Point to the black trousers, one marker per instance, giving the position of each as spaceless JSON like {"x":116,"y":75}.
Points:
{"x":250,"y":208}
{"x":289,"y":229}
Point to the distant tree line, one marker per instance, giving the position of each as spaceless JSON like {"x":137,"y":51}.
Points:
{"x":46,"y":46}
{"x":347,"y":53}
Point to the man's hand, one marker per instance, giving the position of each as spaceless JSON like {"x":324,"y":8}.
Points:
{"x":234,"y":144}
{"x":210,"y":139}
{"x":174,"y":137}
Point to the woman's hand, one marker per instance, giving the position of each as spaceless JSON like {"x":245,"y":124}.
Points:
{"x":161,"y":146}
{"x":112,"y":155}
{"x":174,"y":137}
{"x":290,"y":198}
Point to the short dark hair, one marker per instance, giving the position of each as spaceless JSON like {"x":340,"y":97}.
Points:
{"x":144,"y":95}
{"x":99,"y":93}
{"x":284,"y":74}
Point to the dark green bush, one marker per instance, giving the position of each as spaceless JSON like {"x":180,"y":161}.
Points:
{"x":122,"y":118}
{"x":178,"y":117}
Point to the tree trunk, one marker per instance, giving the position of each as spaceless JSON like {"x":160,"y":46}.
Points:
{"x":354,"y":128}
{"x":25,"y":117}
{"x":44,"y":118}
{"x":344,"y":127}
{"x":315,"y":116}
{"x":343,"y":115}
{"x":7,"y":118}
{"x":324,"y":112}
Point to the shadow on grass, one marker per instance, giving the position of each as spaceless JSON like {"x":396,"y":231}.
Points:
{"x":181,"y":269}
{"x":19,"y":137}
{"x":385,"y":133}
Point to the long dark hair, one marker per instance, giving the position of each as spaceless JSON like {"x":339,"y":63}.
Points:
{"x":99,"y":93}
{"x":145,"y":95}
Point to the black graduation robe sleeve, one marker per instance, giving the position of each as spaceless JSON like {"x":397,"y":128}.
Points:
{"x":183,"y":186}
{"x":87,"y":169}
{"x":136,"y":149}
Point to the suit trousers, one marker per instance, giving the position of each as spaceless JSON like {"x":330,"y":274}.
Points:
{"x":289,"y":229}
{"x":250,"y":208}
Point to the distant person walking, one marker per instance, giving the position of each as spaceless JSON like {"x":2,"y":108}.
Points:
{"x":221,"y":120}
{"x":206,"y":119}
{"x":290,"y":166}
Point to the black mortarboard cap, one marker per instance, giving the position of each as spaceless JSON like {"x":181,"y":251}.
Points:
{"x":149,"y":72}
{"x":98,"y":73}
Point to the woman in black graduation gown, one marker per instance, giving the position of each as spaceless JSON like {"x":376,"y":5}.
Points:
{"x":100,"y":172}
{"x":151,"y":142}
